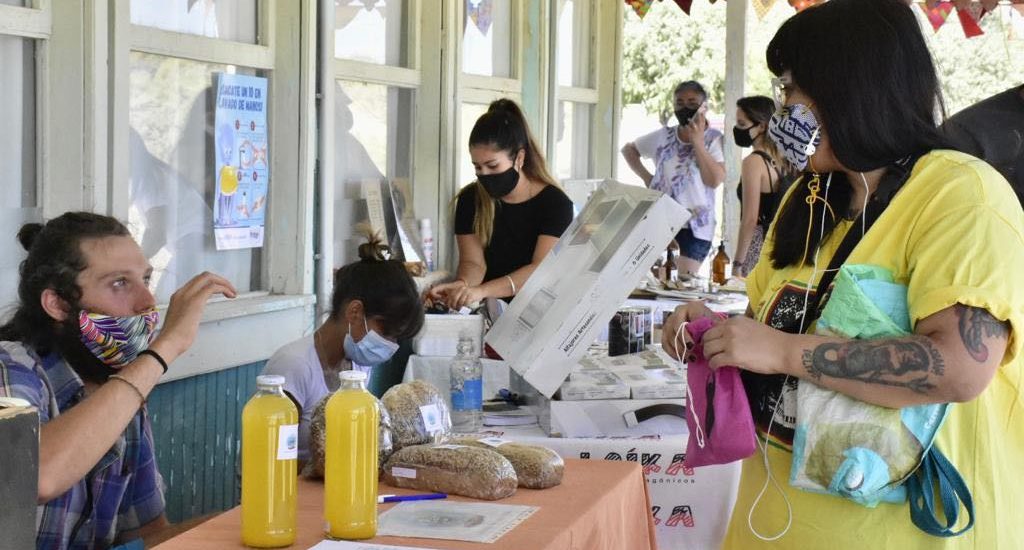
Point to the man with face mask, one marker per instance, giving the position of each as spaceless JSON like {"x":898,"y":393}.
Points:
{"x":689,"y":165}
{"x":82,"y":348}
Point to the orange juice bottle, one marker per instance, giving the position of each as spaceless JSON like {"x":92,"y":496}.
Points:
{"x":350,"y":476}
{"x":270,"y":446}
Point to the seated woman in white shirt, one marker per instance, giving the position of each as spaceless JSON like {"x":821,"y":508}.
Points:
{"x":375,"y":304}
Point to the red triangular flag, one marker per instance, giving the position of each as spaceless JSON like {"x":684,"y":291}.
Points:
{"x":801,"y":5}
{"x":685,"y":5}
{"x":969,"y":23}
{"x":938,"y":14}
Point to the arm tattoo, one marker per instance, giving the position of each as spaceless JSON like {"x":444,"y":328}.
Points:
{"x":904,"y":363}
{"x":976,"y":324}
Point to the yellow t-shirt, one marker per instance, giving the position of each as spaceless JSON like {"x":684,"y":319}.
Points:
{"x":953,"y":234}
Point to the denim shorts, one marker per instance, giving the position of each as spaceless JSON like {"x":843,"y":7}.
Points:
{"x":692,"y":247}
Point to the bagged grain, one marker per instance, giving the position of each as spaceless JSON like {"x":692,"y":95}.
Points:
{"x":453,"y":469}
{"x":536,"y":467}
{"x":317,"y":439}
{"x":419,"y":414}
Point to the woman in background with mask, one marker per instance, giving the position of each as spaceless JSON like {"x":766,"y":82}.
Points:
{"x":861,"y":96}
{"x":760,"y":186}
{"x":375,"y":304}
{"x":508,"y":220}
{"x":81,"y":348}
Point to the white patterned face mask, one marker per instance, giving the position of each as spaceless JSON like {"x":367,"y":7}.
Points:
{"x":796,"y":133}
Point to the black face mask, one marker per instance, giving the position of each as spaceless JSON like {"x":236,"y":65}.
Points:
{"x":684,"y":114}
{"x":501,"y":184}
{"x":742,"y":136}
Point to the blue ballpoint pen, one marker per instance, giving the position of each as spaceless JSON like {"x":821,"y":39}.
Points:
{"x":408,"y":498}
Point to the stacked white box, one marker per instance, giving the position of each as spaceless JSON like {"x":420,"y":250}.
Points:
{"x":440,"y":334}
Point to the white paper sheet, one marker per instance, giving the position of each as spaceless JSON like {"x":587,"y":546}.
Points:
{"x":469,"y":521}
{"x":348,"y":545}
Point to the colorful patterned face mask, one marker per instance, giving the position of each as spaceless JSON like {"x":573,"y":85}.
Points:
{"x":116,"y":341}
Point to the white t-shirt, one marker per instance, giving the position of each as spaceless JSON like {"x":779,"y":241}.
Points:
{"x":303,"y":379}
{"x":676,"y":169}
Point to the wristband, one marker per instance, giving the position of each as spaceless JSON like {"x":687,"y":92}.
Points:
{"x":129,"y":382}
{"x":156,"y":356}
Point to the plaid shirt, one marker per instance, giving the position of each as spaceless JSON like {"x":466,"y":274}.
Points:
{"x":122,"y":492}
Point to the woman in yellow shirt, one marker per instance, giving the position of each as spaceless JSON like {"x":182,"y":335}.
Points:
{"x":860,"y":93}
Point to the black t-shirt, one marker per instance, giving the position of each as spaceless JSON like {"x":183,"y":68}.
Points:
{"x":993,"y":130}
{"x":516,"y":227}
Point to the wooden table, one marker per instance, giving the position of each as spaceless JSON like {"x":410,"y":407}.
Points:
{"x":600,"y":505}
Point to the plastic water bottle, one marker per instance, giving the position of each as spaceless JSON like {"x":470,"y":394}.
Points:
{"x":467,"y":388}
{"x":270,"y":446}
{"x":427,"y":240}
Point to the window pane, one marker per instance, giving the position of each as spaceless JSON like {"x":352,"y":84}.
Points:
{"x":171,"y":185}
{"x":17,"y":158}
{"x":22,"y":3}
{"x":18,"y":119}
{"x":574,"y":43}
{"x":572,"y":149}
{"x":372,"y":31}
{"x":225,"y":19}
{"x":373,"y":127}
{"x":487,"y":37}
{"x":468,"y":113}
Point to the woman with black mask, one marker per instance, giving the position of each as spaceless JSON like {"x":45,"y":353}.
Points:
{"x":508,"y":220}
{"x":761,"y":181}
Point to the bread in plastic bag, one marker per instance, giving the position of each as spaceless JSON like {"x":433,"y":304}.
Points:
{"x":452,"y":469}
{"x":318,"y":434}
{"x":536,"y":467}
{"x":419,"y":414}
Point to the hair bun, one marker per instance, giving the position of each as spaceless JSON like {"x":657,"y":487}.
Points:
{"x":374,"y":249}
{"x":28,"y":233}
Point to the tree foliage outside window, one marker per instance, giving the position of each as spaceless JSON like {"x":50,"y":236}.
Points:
{"x":668,"y":47}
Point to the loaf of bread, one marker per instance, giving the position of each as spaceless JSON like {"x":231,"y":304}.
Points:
{"x":419,"y":414}
{"x":453,"y":469}
{"x":536,"y":467}
{"x":318,"y":442}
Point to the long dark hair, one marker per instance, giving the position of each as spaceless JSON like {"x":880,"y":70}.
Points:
{"x":54,"y":261}
{"x":759,"y":109}
{"x":504,"y":127}
{"x":384,"y":287}
{"x":867,"y":68}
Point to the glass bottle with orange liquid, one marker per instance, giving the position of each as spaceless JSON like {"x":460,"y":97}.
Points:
{"x":350,"y":476}
{"x":270,"y":444}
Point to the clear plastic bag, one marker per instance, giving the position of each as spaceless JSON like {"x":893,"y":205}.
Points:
{"x":536,"y":467}
{"x":419,"y":414}
{"x":318,"y":435}
{"x":453,"y":469}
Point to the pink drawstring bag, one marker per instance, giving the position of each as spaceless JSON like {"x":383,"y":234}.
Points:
{"x":719,"y":419}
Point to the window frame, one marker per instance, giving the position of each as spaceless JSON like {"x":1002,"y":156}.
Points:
{"x":584,"y":95}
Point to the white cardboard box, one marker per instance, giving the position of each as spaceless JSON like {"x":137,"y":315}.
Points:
{"x":587,"y":276}
{"x":439,"y":336}
{"x":654,"y":382}
{"x":593,"y":384}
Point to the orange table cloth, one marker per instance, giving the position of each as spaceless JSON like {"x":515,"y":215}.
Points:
{"x":600,"y":505}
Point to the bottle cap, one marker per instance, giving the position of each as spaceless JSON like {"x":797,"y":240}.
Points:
{"x":270,"y":380}
{"x":352,"y":375}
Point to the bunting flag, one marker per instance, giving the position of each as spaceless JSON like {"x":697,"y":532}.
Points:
{"x":989,"y":5}
{"x":938,"y":14}
{"x":801,"y":5}
{"x":762,"y":7}
{"x":685,"y":5}
{"x":641,"y":7}
{"x":969,"y":18}
{"x":480,"y":14}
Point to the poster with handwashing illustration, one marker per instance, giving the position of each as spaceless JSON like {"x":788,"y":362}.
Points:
{"x":242,"y":169}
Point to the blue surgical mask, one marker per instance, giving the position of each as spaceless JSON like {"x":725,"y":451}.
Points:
{"x":796,"y":133}
{"x":371,"y":351}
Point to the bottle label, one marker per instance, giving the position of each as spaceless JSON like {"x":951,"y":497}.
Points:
{"x":431,"y":418}
{"x":288,"y":442}
{"x":403,"y":472}
{"x":493,"y":441}
{"x":471,"y":396}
